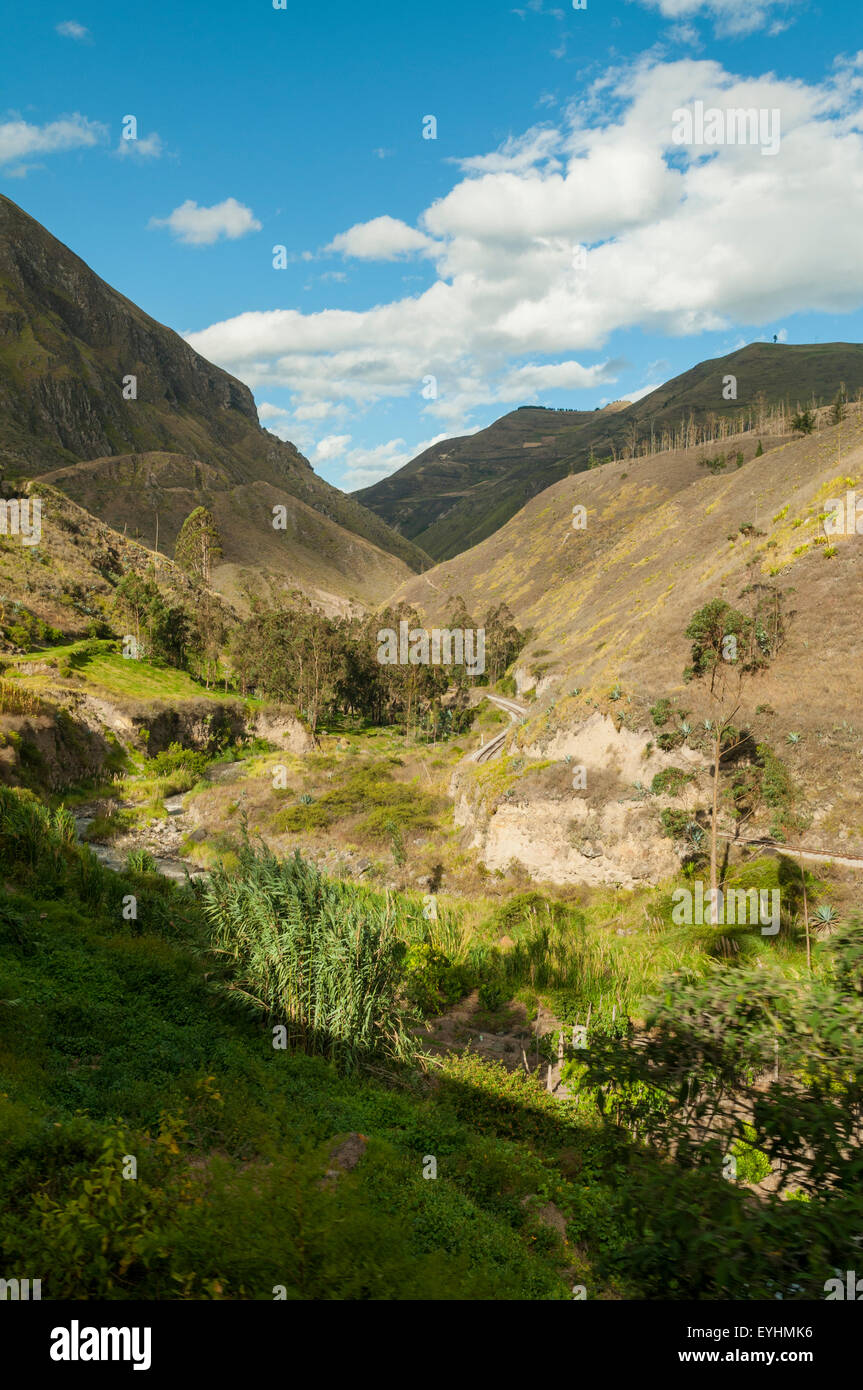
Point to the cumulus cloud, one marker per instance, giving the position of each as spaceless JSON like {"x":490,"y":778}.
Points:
{"x":366,"y":466}
{"x":332,"y":446}
{"x":517,"y":153}
{"x":608,"y":227}
{"x":201,"y":226}
{"x":382,"y":239}
{"x":18,"y":138}
{"x":730,"y":17}
{"x":149,"y":148}
{"x":71,"y":29}
{"x":634,"y":396}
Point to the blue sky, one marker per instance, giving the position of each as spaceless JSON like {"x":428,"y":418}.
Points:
{"x":433,"y":284}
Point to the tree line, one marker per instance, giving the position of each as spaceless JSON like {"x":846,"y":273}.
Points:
{"x":289,"y":652}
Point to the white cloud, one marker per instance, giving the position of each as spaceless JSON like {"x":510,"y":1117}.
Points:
{"x":149,"y":148}
{"x":685,"y":34}
{"x":679,"y":240}
{"x":634,"y":396}
{"x":266,"y":411}
{"x":366,"y":466}
{"x":200,"y":226}
{"x":71,"y":29}
{"x":517,"y":153}
{"x":552,"y":376}
{"x":730,"y":17}
{"x":382,"y":239}
{"x":332,"y":446}
{"x":321,"y":410}
{"x":18,"y":138}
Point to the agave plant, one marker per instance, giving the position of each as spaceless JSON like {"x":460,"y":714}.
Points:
{"x":793,"y":738}
{"x":825,"y":915}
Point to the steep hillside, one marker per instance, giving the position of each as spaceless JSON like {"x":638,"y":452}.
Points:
{"x":609,"y":605}
{"x":68,"y":341}
{"x":68,"y":580}
{"x":460,"y":491}
{"x":340,"y":570}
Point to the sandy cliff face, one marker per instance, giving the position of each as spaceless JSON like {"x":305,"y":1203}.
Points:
{"x":601,"y":832}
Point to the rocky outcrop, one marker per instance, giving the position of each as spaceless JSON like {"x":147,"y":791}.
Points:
{"x":72,"y":740}
{"x":283,"y":730}
{"x":602,"y":832}
{"x":50,"y":751}
{"x":205,"y":725}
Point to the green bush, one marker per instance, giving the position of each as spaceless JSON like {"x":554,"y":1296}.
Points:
{"x":493,"y":995}
{"x":431,"y":981}
{"x":671,"y":781}
{"x":178,"y":759}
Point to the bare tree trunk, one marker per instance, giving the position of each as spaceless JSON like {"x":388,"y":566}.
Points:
{"x":805,"y":908}
{"x":714,"y":899}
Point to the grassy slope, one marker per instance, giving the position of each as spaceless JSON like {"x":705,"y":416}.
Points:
{"x":111,"y":673}
{"x":609,"y":604}
{"x":315,"y":552}
{"x":68,"y":579}
{"x":113,"y":1044}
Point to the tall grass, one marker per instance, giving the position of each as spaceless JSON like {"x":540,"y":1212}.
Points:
{"x":39,"y":851}
{"x":15,"y":700}
{"x":314,"y":955}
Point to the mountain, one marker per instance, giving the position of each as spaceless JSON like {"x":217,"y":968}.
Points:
{"x":68,"y":341}
{"x":608,"y":605}
{"x":459,"y":491}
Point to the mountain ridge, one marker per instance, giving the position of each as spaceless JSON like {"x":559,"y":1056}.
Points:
{"x":441,"y":499}
{"x":69,"y":344}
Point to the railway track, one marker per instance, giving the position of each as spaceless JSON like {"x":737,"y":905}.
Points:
{"x":516,"y":713}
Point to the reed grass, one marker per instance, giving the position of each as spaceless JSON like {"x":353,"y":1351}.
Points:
{"x":313,"y":955}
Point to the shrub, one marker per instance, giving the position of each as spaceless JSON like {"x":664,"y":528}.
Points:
{"x":803,"y":422}
{"x":493,"y":995}
{"x":660,"y":713}
{"x":177,"y":759}
{"x":140,"y":861}
{"x":432,"y":982}
{"x":671,"y":781}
